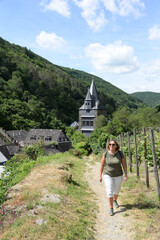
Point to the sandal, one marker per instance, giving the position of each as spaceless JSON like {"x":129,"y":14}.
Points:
{"x":111,"y":213}
{"x":116,"y":204}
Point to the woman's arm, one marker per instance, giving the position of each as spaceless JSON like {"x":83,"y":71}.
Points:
{"x":124,"y":168}
{"x":101,"y":168}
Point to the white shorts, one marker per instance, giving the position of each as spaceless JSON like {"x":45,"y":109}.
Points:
{"x":112,"y":184}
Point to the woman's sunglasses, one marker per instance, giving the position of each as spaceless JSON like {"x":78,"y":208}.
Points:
{"x":112,"y":144}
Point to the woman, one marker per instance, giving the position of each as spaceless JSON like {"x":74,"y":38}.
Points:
{"x":111,"y":166}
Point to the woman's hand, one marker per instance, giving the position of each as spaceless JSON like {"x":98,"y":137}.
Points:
{"x":125,"y":178}
{"x":100,"y":179}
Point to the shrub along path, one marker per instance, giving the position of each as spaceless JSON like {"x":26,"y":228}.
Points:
{"x":121,"y":225}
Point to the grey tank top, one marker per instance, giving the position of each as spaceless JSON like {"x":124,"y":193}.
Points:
{"x":113,"y":166}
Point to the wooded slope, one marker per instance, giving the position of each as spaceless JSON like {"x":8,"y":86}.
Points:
{"x":150,"y":98}
{"x":37,"y":93}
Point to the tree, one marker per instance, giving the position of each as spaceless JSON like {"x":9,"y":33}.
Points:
{"x":100,"y":121}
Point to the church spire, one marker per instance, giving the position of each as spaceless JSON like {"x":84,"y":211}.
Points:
{"x":88,"y":96}
{"x":93,"y":91}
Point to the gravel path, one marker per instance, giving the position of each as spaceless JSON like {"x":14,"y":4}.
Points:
{"x":117,"y":227}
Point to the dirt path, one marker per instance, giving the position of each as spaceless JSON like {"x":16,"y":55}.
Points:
{"x":116,"y":227}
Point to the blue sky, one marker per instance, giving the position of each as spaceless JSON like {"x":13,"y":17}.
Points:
{"x":117,"y":40}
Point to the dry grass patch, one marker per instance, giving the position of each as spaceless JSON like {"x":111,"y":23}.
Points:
{"x":70,"y":218}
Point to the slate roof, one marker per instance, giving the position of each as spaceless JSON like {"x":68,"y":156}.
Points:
{"x":5,"y":152}
{"x":88,"y":96}
{"x":92,"y":95}
{"x":50,"y":150}
{"x":46,"y":136}
{"x":2,"y":142}
{"x":93,"y":91}
{"x":74,"y":124}
{"x":12,"y":149}
{"x":17,"y":135}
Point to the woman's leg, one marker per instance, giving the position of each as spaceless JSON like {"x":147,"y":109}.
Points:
{"x":115,"y":197}
{"x":110,"y":201}
{"x":109,"y":189}
{"x":116,"y":187}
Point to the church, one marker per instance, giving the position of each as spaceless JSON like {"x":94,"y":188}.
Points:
{"x":90,"y":110}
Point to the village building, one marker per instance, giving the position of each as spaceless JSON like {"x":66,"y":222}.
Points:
{"x":90,"y":110}
{"x":54,"y":140}
{"x":13,"y":141}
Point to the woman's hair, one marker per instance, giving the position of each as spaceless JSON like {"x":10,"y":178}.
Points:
{"x":117,"y":145}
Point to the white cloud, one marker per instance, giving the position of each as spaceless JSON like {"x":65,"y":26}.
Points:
{"x":154,"y":33}
{"x":113,"y":58}
{"x":125,"y":7}
{"x":92,"y":13}
{"x":60,"y":6}
{"x":50,"y":41}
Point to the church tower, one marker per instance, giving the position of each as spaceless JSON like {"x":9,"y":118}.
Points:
{"x":91,"y":109}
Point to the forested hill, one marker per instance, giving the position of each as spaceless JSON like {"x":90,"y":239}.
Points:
{"x":150,"y":98}
{"x":37,"y":93}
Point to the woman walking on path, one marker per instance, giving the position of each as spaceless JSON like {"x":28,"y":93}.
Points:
{"x":111,"y":166}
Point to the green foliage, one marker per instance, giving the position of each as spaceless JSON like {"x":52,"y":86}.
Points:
{"x":70,"y":131}
{"x":33,"y":151}
{"x":83,"y":148}
{"x":146,"y":117}
{"x":100,"y":121}
{"x":140,"y":147}
{"x":150,"y":98}
{"x":125,"y":119}
{"x":15,"y":170}
{"x":98,"y":139}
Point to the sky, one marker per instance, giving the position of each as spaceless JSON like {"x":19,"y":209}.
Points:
{"x":117,"y":40}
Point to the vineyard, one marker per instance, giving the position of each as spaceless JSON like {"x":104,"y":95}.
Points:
{"x":142,"y":146}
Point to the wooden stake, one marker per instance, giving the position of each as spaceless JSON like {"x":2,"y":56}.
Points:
{"x":136,"y":158}
{"x":155,"y":165}
{"x":129,"y":152}
{"x":145,"y":157}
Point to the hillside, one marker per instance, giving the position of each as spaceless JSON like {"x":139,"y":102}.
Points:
{"x":37,"y":93}
{"x":150,"y":98}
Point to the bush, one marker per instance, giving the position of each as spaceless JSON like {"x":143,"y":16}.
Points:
{"x":33,"y":151}
{"x":83,"y":148}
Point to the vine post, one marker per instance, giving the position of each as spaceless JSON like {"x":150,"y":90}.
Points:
{"x":155,"y":165}
{"x":121,"y":140}
{"x":136,"y":156}
{"x":129,"y":152}
{"x":145,"y":157}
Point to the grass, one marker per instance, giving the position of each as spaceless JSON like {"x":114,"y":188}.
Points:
{"x":142,"y":203}
{"x":71,"y":219}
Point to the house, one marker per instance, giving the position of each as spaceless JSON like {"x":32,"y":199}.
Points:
{"x":56,"y":139}
{"x":74,"y":124}
{"x":90,"y":110}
